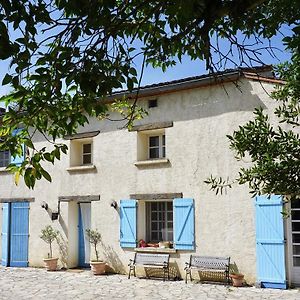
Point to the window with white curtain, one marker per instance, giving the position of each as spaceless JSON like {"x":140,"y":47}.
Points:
{"x":159,"y":221}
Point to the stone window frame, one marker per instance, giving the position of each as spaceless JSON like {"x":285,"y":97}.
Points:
{"x":144,"y":131}
{"x":76,"y":160}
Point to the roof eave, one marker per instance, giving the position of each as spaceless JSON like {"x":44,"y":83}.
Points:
{"x":175,"y":87}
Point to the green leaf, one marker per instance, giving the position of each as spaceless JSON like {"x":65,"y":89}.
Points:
{"x":45,"y":174}
{"x":129,"y":84}
{"x":17,"y":177}
{"x":48,"y":157}
{"x":7,"y":79}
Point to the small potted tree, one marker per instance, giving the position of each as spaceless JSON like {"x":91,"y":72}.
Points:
{"x":49,"y":235}
{"x":97,"y":266}
{"x":237,"y":279}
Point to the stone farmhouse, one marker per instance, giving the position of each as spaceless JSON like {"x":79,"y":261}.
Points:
{"x":147,"y":184}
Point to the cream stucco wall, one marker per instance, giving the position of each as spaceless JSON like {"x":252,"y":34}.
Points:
{"x":196,"y":147}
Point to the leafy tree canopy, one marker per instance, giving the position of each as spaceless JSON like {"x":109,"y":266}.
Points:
{"x":67,"y":56}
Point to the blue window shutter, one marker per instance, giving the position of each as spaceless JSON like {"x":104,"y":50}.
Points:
{"x":19,"y":234}
{"x":184,"y":223}
{"x":270,"y":256}
{"x":18,"y":159}
{"x":5,"y":234}
{"x":128,"y":218}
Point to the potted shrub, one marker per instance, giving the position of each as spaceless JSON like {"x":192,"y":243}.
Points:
{"x":49,"y":235}
{"x":97,"y":266}
{"x":237,"y":279}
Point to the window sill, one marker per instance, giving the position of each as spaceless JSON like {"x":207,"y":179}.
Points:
{"x":81,"y":168}
{"x":152,"y":162}
{"x":3,"y":170}
{"x":155,"y":250}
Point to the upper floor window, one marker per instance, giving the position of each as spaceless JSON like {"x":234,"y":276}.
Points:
{"x":81,"y":152}
{"x":157,"y":146}
{"x":151,"y":148}
{"x":4,"y":158}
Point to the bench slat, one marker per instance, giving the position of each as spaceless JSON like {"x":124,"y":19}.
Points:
{"x":209,"y":262}
{"x":151,"y":259}
{"x":153,"y":266}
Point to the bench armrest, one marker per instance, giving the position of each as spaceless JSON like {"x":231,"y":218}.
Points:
{"x":131,"y":262}
{"x":187,"y":265}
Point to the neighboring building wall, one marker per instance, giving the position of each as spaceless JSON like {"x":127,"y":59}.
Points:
{"x":196,"y":147}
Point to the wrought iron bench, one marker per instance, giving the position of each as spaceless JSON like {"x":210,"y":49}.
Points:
{"x":210,"y":264}
{"x":150,"y":260}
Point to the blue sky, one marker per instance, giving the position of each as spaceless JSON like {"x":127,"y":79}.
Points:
{"x":193,"y":68}
{"x":187,"y":67}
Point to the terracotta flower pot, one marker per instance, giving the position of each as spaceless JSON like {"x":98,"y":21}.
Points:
{"x":164,"y":244}
{"x":51,"y":264}
{"x":237,"y":279}
{"x":97,"y":267}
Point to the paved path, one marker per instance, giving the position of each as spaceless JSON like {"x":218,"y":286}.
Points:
{"x":31,"y":283}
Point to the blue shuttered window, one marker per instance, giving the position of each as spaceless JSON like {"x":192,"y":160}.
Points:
{"x":270,"y":242}
{"x":128,"y":219}
{"x":184,"y":223}
{"x":5,"y":234}
{"x":19,"y":234}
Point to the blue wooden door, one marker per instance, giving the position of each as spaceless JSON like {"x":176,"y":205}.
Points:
{"x":19,"y":229}
{"x":5,"y":234}
{"x":270,"y":245}
{"x":83,"y":243}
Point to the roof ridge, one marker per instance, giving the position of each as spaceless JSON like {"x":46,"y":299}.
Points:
{"x":240,"y":70}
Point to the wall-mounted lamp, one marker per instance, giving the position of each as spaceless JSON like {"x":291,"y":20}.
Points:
{"x":53,"y":215}
{"x":114,"y":204}
{"x":44,"y":205}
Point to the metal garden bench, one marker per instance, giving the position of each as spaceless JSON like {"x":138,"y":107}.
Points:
{"x":150,"y":260}
{"x":210,"y":264}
